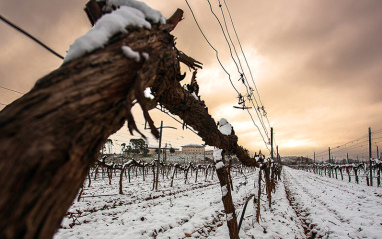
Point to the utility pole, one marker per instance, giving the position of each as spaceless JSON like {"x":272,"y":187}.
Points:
{"x":347,"y":157}
{"x":329,"y":156}
{"x":370,"y":159}
{"x":277,"y":155}
{"x":271,"y":142}
{"x":314,"y":156}
{"x":377,"y":152}
{"x":159,"y":149}
{"x":204,"y":152}
{"x":165,"y":153}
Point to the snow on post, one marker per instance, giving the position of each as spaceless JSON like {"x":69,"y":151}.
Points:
{"x":224,"y":190}
{"x":229,"y":217}
{"x":130,"y":13}
{"x":218,"y":158}
{"x":217,"y":155}
{"x":224,"y":127}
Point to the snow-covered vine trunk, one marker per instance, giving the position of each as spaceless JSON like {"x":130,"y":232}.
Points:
{"x":62,"y":123}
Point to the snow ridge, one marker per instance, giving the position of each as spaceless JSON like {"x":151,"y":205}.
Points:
{"x":130,"y":13}
{"x":150,"y":14}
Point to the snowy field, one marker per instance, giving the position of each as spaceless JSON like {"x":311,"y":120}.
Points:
{"x":335,"y":208}
{"x":304,"y":205}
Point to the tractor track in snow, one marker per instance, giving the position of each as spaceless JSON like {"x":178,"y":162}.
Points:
{"x":315,"y":198}
{"x":303,"y":213}
{"x":332,"y":207}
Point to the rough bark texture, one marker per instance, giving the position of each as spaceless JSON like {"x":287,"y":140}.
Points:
{"x":229,"y":207}
{"x":52,"y":135}
{"x":195,"y":114}
{"x":222,"y":172}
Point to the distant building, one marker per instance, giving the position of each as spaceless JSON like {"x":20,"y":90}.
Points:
{"x":193,"y":149}
{"x":209,"y":152}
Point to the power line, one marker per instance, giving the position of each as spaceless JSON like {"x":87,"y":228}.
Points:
{"x":242,"y":74}
{"x":177,"y":120}
{"x":245,"y":58}
{"x":377,"y":131}
{"x":266,"y":145}
{"x":12,"y":90}
{"x":209,"y":43}
{"x":31,"y":37}
{"x":356,"y":145}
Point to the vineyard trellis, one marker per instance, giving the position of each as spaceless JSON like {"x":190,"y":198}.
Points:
{"x":62,"y":123}
{"x":169,"y":171}
{"x":332,"y":170}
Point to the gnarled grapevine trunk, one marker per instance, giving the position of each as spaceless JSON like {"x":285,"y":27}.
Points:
{"x":51,"y":136}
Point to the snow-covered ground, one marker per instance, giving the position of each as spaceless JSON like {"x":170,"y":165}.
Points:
{"x":303,"y":205}
{"x":335,"y":208}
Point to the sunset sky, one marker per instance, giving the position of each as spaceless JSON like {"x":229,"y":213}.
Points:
{"x":317,"y":65}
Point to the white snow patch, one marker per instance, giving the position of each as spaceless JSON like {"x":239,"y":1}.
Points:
{"x":129,"y":53}
{"x":148,"y":94}
{"x":223,"y":121}
{"x":146,"y":55}
{"x":224,"y":190}
{"x":151,"y":14}
{"x":217,"y":155}
{"x":225,"y":127}
{"x":219,"y":165}
{"x":229,"y":217}
{"x":194,"y":95}
{"x":131,"y":13}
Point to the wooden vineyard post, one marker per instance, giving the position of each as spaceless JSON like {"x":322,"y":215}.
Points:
{"x":370,"y":159}
{"x":159,"y":149}
{"x":196,"y":175}
{"x":258,"y":198}
{"x":379,"y":176}
{"x":229,"y":208}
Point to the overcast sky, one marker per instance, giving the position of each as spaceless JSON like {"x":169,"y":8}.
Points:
{"x":317,"y":65}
